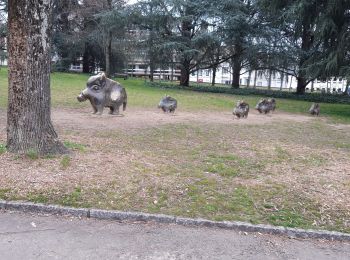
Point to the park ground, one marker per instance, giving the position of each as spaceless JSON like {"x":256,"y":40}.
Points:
{"x":287,"y":168}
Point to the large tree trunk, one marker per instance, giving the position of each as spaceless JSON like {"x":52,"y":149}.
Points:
{"x":301,"y":86}
{"x":29,"y":126}
{"x":185,"y":73}
{"x":236,"y":71}
{"x":186,"y":27}
{"x":108,"y":53}
{"x":86,"y":59}
{"x":214,"y":75}
{"x":306,"y":43}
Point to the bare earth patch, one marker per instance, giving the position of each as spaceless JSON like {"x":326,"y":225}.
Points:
{"x":283,"y":169}
{"x":132,"y":118}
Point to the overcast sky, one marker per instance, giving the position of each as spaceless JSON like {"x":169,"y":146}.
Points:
{"x":131,"y":1}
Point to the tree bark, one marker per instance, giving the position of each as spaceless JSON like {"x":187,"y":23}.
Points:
{"x":269,"y":80}
{"x":301,"y":86}
{"x":306,"y":43}
{"x":281,"y":83}
{"x":214,"y":75}
{"x":151,"y":70}
{"x":185,"y":73}
{"x":255,"y":75}
{"x":29,"y":126}
{"x":249,"y":78}
{"x":86,"y":61}
{"x":108,"y":53}
{"x":236,"y":71}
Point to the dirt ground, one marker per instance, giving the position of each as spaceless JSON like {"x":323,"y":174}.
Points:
{"x":138,"y":118}
{"x":121,"y":167}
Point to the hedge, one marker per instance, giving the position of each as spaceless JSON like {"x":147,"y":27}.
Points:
{"x":312,"y":97}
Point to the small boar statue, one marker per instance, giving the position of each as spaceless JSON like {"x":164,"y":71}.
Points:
{"x":104,"y":92}
{"x":241,"y":109}
{"x":314,"y":109}
{"x":168,"y":104}
{"x":266,"y":105}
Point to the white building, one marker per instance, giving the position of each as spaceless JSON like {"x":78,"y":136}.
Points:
{"x":259,"y":79}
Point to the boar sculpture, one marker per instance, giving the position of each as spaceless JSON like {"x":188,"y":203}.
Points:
{"x":103,"y":92}
{"x":265,"y":106}
{"x":241,"y":109}
{"x":168,"y":104}
{"x":314,"y":109}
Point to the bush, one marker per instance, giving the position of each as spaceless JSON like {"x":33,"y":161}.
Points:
{"x":312,"y":97}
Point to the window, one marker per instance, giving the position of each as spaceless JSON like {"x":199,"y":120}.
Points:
{"x":225,"y":70}
{"x":206,"y":72}
{"x":143,"y":67}
{"x":200,"y":73}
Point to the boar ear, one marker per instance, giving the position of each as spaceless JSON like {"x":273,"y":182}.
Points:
{"x":103,"y":76}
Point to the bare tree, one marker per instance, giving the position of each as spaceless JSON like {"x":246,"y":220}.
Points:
{"x":29,"y":125}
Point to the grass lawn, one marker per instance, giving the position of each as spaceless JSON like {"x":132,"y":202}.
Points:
{"x":65,"y":87}
{"x":286,"y":169}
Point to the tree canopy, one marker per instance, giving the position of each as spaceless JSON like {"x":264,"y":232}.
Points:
{"x":306,"y":39}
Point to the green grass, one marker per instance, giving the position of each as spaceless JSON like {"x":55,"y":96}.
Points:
{"x":245,"y":172}
{"x":74,"y":146}
{"x":65,"y":162}
{"x":32,"y":154}
{"x":2,"y":148}
{"x":66,"y":86}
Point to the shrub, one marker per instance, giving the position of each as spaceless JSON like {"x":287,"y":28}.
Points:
{"x":312,"y":97}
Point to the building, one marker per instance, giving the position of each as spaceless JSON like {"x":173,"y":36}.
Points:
{"x":258,"y":79}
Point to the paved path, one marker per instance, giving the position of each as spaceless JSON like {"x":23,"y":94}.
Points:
{"x":27,"y":236}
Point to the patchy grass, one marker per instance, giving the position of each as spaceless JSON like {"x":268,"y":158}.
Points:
{"x":74,"y":146}
{"x":65,"y":162}
{"x":2,"y":149}
{"x":199,"y":170}
{"x":32,"y":154}
{"x":289,"y":173}
{"x":65,"y":87}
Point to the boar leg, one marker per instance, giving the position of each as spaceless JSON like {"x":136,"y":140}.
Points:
{"x":114,"y":110}
{"x":99,"y":109}
{"x":94,"y":110}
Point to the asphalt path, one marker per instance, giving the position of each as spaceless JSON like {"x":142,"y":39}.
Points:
{"x":32,"y":236}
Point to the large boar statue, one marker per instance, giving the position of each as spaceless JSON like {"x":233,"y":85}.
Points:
{"x":265,"y":106}
{"x":168,"y":104}
{"x":104,"y":92}
{"x":241,"y":109}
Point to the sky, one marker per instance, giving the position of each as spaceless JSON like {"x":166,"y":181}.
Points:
{"x":131,"y":1}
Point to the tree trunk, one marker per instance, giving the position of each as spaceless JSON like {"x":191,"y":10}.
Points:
{"x":86,"y":59}
{"x":236,"y":71}
{"x":29,"y":126}
{"x":269,"y":80}
{"x":301,"y":85}
{"x":282,"y":78}
{"x":255,"y":75}
{"x":249,"y":77}
{"x":306,"y":43}
{"x":108,"y":53}
{"x":151,"y":70}
{"x":185,"y":73}
{"x":214,"y":75}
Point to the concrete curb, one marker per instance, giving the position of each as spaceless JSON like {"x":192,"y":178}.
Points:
{"x":160,"y":218}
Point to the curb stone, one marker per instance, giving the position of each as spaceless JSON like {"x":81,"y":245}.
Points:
{"x":167,"y":219}
{"x":42,"y":208}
